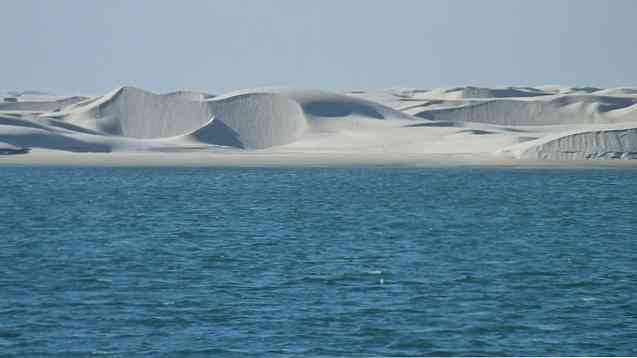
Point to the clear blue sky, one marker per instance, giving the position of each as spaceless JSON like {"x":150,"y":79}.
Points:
{"x":93,"y":46}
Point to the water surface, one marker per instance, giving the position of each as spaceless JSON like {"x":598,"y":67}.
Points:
{"x":128,"y":262}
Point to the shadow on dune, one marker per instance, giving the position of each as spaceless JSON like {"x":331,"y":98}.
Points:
{"x":48,"y":140}
{"x":475,"y":131}
{"x":217,"y":133}
{"x":434,"y":124}
{"x":14,"y":151}
{"x":335,"y":108}
{"x":30,"y":123}
{"x":19,"y":122}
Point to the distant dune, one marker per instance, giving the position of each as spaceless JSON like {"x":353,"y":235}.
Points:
{"x":537,"y":123}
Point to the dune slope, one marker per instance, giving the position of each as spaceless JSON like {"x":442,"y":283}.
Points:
{"x":539,"y":123}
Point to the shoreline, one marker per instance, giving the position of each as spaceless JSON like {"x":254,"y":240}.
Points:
{"x":295,"y":160}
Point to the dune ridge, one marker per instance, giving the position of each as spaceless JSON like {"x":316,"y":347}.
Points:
{"x":553,"y":110}
{"x":524,"y":122}
{"x":616,"y":142}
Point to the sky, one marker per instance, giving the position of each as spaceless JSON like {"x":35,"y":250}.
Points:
{"x":90,"y":47}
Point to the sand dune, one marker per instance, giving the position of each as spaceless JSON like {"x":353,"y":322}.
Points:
{"x":8,"y":149}
{"x":538,"y":123}
{"x":131,"y":112}
{"x":614,"y":142}
{"x":481,"y":92}
{"x":619,"y":92}
{"x":37,"y":106}
{"x":547,"y":110}
{"x":253,"y":121}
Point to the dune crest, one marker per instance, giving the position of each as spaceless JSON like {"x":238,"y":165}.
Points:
{"x":544,"y":122}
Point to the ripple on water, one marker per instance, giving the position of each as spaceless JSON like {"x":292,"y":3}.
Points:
{"x":368,"y":262}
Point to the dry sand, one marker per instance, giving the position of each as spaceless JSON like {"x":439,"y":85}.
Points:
{"x":547,"y":126}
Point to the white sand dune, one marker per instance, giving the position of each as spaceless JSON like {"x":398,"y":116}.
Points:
{"x":253,"y":121}
{"x":546,"y":110}
{"x":608,"y":142}
{"x":43,"y":104}
{"x":131,"y":112}
{"x":481,"y":92}
{"x":559,"y":89}
{"x":503,"y":123}
{"x":8,"y":149}
{"x":619,"y":92}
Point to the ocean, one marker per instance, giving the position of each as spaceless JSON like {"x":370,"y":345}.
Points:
{"x":237,"y":262}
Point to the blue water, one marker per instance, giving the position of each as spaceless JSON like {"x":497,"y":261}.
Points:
{"x":317,"y":262}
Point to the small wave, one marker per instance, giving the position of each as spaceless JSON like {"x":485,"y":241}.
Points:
{"x":528,"y":274}
{"x":411,"y":343}
{"x":579,"y":284}
{"x":96,"y":281}
{"x":498,"y":328}
{"x":343,"y":278}
{"x":471,"y":279}
{"x":9,"y":334}
{"x":209,"y":352}
{"x":376,"y":331}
